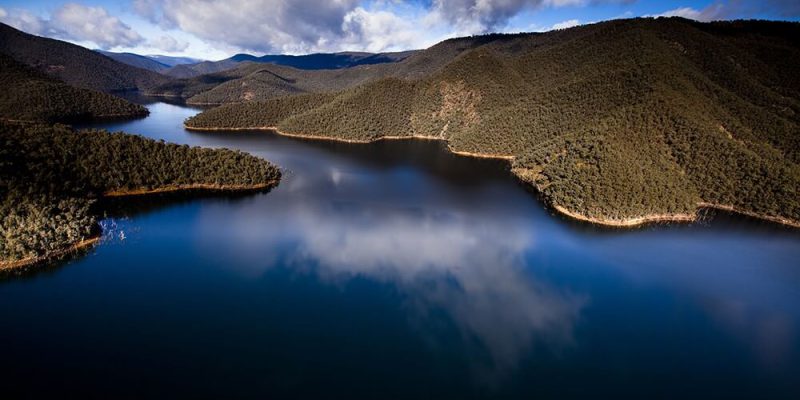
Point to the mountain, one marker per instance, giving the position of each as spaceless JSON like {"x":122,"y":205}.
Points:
{"x":618,"y":122}
{"x":173,"y":61}
{"x":250,"y":81}
{"x":310,"y":61}
{"x":32,"y":96}
{"x":136,"y":60}
{"x":185,"y":71}
{"x":73,"y":64}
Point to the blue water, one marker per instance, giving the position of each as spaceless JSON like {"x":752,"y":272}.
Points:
{"x":398,"y":270}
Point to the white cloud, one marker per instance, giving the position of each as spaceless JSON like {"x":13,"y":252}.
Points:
{"x":77,"y":22}
{"x":712,"y":12}
{"x":377,"y":31}
{"x":169,"y":44}
{"x":25,"y":21}
{"x":566,"y":24}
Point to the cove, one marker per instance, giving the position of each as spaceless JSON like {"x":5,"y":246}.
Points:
{"x":399,"y":270}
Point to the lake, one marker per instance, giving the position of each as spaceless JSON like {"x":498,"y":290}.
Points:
{"x":399,"y":270}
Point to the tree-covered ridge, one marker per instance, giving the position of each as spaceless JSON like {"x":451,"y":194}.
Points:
{"x":611,"y":121}
{"x":30,"y":95}
{"x":74,"y":64}
{"x":49,"y":176}
{"x":257,"y":114}
{"x":249,"y":81}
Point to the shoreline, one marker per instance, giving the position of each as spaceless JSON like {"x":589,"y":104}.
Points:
{"x":187,"y":187}
{"x":619,"y":223}
{"x":354,"y":141}
{"x":11,"y":265}
{"x":732,"y":209}
{"x":628,"y":222}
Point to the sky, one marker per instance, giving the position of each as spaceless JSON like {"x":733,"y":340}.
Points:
{"x":217,"y":29}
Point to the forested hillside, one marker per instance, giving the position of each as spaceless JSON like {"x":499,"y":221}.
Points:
{"x":611,"y":121}
{"x":50,"y":175}
{"x":250,"y":81}
{"x":30,"y":95}
{"x":73,"y":64}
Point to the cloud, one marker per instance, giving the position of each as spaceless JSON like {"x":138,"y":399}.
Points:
{"x":25,"y":21}
{"x":481,"y":16}
{"x":377,"y":31}
{"x":169,"y":44}
{"x":301,"y":26}
{"x":566,"y":24}
{"x":440,"y":258}
{"x":258,"y":25}
{"x":721,"y":10}
{"x":712,"y":12}
{"x":147,"y":8}
{"x":77,"y":22}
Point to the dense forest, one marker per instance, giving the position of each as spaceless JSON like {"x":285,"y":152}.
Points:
{"x":30,"y":95}
{"x":611,"y":121}
{"x":50,"y":175}
{"x":74,"y":65}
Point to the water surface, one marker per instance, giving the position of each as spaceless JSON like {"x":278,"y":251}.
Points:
{"x":398,"y":270}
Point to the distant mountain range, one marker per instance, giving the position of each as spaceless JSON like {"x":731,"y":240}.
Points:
{"x":173,"y":61}
{"x":156,"y":63}
{"x":308,"y":62}
{"x":185,"y":67}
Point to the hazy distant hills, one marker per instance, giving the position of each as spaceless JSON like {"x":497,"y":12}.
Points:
{"x":611,"y":121}
{"x":156,"y":63}
{"x":309,"y":62}
{"x":173,"y":61}
{"x":74,"y":64}
{"x":136,"y":60}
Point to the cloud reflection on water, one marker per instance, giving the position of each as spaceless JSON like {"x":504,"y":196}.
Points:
{"x":439,"y":259}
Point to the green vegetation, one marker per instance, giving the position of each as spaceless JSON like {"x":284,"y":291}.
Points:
{"x":73,"y":64}
{"x":50,"y":175}
{"x":612,"y":121}
{"x":30,"y":95}
{"x":249,"y":81}
{"x":258,"y":114}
